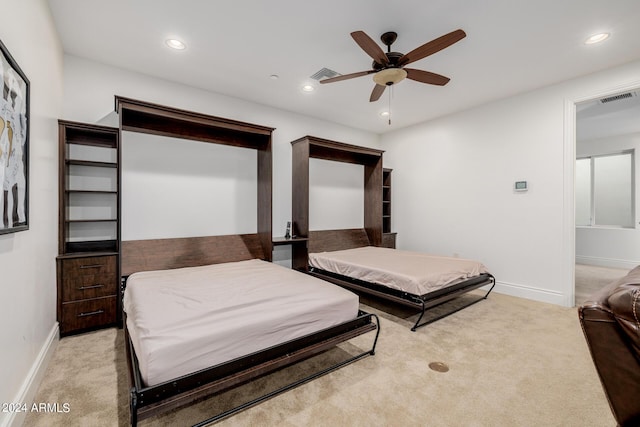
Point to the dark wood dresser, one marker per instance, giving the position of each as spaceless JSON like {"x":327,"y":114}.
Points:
{"x":87,"y":292}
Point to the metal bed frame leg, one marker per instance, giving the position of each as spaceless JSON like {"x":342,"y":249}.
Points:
{"x":133,"y":407}
{"x":292,"y":385}
{"x":417,"y":324}
{"x":424,"y":309}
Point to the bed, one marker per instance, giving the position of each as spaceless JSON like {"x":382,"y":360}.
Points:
{"x":415,"y":279}
{"x":253,"y":304}
{"x":311,"y":147}
{"x":197,"y":310}
{"x":196,"y":331}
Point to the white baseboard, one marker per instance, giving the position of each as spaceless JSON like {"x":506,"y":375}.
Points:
{"x":607,"y":262}
{"x":532,"y":293}
{"x":31,"y":383}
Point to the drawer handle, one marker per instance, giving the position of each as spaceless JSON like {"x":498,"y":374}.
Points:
{"x":84,"y":288}
{"x":91,"y":266}
{"x":91,"y":313}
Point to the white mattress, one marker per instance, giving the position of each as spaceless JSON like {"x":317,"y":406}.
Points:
{"x":407,"y":271}
{"x":188,"y":319}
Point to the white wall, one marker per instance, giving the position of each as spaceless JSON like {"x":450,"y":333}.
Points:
{"x":89,"y":97}
{"x":453,"y":180}
{"x":27,"y":258}
{"x":605,"y":246}
{"x":180,"y":188}
{"x":336,"y":195}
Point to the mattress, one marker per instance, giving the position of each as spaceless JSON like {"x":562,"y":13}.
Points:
{"x":412,"y":272}
{"x":184,"y":320}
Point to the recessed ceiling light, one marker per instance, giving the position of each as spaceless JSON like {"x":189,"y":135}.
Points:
{"x":384,"y":114}
{"x":308,"y":88}
{"x":597,"y":38}
{"x":175,"y":44}
{"x":274,"y":77}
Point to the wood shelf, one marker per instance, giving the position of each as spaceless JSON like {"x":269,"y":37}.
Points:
{"x":91,"y":220}
{"x":91,"y":163}
{"x":86,"y":134}
{"x":292,"y":240}
{"x":92,"y":191}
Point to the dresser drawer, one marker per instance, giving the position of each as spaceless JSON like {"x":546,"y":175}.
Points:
{"x":89,"y":277}
{"x":88,"y":314}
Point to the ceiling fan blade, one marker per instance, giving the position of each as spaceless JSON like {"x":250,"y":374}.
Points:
{"x":426,"y":77}
{"x":432,"y":47}
{"x":346,"y":76}
{"x":370,"y":47}
{"x":377,"y":92}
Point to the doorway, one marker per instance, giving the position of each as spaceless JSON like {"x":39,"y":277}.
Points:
{"x":607,"y":146}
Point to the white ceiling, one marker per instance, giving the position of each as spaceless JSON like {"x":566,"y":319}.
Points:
{"x":234,"y":46}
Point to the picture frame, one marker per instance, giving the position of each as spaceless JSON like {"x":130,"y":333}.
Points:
{"x":14,"y":145}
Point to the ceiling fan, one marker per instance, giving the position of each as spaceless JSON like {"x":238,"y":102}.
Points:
{"x":389,"y":68}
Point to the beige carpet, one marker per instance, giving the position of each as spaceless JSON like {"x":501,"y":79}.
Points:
{"x":513,"y":362}
{"x":589,"y":279}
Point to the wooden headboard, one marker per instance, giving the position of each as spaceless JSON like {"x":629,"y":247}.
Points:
{"x":335,"y":240}
{"x":163,"y":254}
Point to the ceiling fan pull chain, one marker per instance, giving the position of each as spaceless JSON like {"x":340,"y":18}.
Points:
{"x":390,"y":90}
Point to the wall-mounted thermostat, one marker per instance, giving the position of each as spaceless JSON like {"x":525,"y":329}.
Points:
{"x":520,"y":186}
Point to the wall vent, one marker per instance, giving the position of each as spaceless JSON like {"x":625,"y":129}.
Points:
{"x":617,"y":97}
{"x":324,"y":73}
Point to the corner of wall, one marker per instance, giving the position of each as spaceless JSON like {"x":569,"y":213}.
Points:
{"x":29,"y":388}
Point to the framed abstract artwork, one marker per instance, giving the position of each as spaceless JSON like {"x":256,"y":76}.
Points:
{"x":14,"y":145}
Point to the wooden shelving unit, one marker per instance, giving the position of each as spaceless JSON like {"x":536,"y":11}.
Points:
{"x":386,"y":200}
{"x":89,"y":226}
{"x":388,"y":237}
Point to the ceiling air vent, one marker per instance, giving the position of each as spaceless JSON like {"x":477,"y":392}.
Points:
{"x":324,"y":73}
{"x":617,"y":97}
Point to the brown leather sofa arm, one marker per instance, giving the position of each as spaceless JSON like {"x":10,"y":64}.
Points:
{"x":595,"y":312}
{"x":625,"y":305}
{"x":611,"y":330}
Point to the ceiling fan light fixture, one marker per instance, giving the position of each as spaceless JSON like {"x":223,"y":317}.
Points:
{"x":597,"y":38}
{"x":389,"y":76}
{"x":175,"y":44}
{"x":388,"y":68}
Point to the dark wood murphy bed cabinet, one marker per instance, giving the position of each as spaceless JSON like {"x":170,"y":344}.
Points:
{"x":310,"y":147}
{"x":88,"y":226}
{"x":90,"y":246}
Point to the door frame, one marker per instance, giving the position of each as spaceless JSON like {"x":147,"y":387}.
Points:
{"x":569,"y":204}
